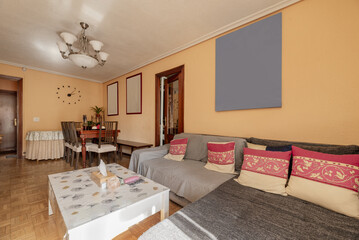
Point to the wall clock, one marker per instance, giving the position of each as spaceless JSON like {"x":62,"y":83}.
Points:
{"x":68,"y":95}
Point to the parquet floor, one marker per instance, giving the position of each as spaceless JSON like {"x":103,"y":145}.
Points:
{"x":24,"y":204}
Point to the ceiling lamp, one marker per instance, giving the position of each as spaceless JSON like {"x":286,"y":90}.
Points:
{"x":82,"y":58}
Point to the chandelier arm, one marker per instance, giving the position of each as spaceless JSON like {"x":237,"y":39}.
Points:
{"x":100,"y":61}
{"x":64,"y":56}
{"x":69,"y":46}
{"x":97,"y":57}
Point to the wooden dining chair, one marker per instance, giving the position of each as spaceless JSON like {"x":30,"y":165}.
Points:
{"x":67,"y":140}
{"x":107,"y":141}
{"x":76,"y":145}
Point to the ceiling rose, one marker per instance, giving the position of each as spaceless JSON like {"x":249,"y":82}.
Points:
{"x":82,"y":58}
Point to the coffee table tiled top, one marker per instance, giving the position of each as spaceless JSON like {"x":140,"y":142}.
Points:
{"x":80,"y":200}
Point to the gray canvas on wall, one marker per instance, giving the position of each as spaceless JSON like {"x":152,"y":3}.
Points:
{"x":249,"y":66}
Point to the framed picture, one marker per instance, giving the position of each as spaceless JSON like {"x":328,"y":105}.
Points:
{"x":112,"y":99}
{"x":134,"y":94}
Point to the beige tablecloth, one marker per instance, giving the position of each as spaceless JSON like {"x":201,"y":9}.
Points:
{"x":44,"y":145}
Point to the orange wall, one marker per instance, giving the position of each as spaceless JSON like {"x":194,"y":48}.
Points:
{"x":320,"y":83}
{"x":8,"y":85}
{"x":40,"y":99}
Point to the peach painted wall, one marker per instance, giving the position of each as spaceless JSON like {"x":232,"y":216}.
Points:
{"x":8,"y":85}
{"x":40,"y":99}
{"x":320,"y":83}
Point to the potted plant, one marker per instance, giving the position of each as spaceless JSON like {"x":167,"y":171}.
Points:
{"x":97,"y":110}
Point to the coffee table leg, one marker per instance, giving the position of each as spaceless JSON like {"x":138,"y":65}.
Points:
{"x":165,"y":205}
{"x":50,"y":199}
{"x":83,"y":152}
{"x":120,"y":151}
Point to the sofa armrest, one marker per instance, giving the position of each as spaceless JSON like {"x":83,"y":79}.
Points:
{"x":141,"y":155}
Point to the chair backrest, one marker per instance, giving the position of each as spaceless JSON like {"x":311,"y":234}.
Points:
{"x":109,"y":133}
{"x":73,"y":134}
{"x":65,"y":131}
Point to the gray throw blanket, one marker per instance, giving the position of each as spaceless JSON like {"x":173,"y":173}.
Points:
{"x":233,"y":211}
{"x":141,"y":155}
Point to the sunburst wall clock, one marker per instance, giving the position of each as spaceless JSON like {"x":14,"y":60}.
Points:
{"x":68,"y":95}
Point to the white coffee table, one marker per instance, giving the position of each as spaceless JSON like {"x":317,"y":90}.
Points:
{"x":89,"y":212}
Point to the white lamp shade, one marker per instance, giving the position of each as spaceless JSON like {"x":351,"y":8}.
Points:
{"x":62,"y":46}
{"x":96,"y":45}
{"x":82,"y":60}
{"x":68,"y":37}
{"x":103,"y":56}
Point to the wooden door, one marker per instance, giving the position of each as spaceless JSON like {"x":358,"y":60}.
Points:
{"x":171,"y":108}
{"x":8,"y":104}
{"x":173,"y":104}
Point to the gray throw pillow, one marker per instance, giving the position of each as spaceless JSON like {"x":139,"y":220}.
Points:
{"x":196,"y":147}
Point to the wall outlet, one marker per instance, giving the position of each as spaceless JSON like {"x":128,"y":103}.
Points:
{"x":36,"y":119}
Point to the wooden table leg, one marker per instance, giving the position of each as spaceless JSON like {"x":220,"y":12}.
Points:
{"x":120,"y":147}
{"x":83,"y":152}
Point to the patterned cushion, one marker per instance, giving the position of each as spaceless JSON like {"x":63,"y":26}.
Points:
{"x":177,"y":149}
{"x":256,"y":146}
{"x":331,"y":181}
{"x":265,"y":170}
{"x":221,"y":157}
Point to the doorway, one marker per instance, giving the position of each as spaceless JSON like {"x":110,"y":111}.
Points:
{"x":8,"y":121}
{"x":11,"y":115}
{"x":169,"y":104}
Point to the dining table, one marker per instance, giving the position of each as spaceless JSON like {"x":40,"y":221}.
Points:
{"x":84,"y":134}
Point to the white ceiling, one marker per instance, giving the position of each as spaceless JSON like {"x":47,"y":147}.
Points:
{"x":135,"y":32}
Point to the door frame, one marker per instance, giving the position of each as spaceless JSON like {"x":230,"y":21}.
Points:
{"x":19,"y":117}
{"x":19,"y":112}
{"x":180,"y":70}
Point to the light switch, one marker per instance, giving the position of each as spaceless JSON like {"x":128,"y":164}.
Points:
{"x":36,"y":119}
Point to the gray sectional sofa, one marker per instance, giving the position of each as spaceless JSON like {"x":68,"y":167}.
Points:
{"x":189,"y":180}
{"x":224,"y":209}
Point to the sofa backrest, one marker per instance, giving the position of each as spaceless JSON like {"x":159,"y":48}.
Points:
{"x":317,"y":147}
{"x":196,"y":149}
{"x":197,"y":146}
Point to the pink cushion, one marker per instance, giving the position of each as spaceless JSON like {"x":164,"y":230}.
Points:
{"x":221,"y":157}
{"x":178,"y":146}
{"x":221,"y":154}
{"x":331,"y":181}
{"x":338,"y":170}
{"x":267,"y":162}
{"x":265,"y":170}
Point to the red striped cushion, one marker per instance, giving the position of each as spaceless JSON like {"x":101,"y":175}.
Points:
{"x":265,"y":170}
{"x":221,"y":157}
{"x":267,"y":162}
{"x":221,"y":153}
{"x":178,"y":146}
{"x":177,"y":149}
{"x":329,"y":180}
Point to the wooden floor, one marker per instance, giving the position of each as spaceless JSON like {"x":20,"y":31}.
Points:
{"x":24,"y":204}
